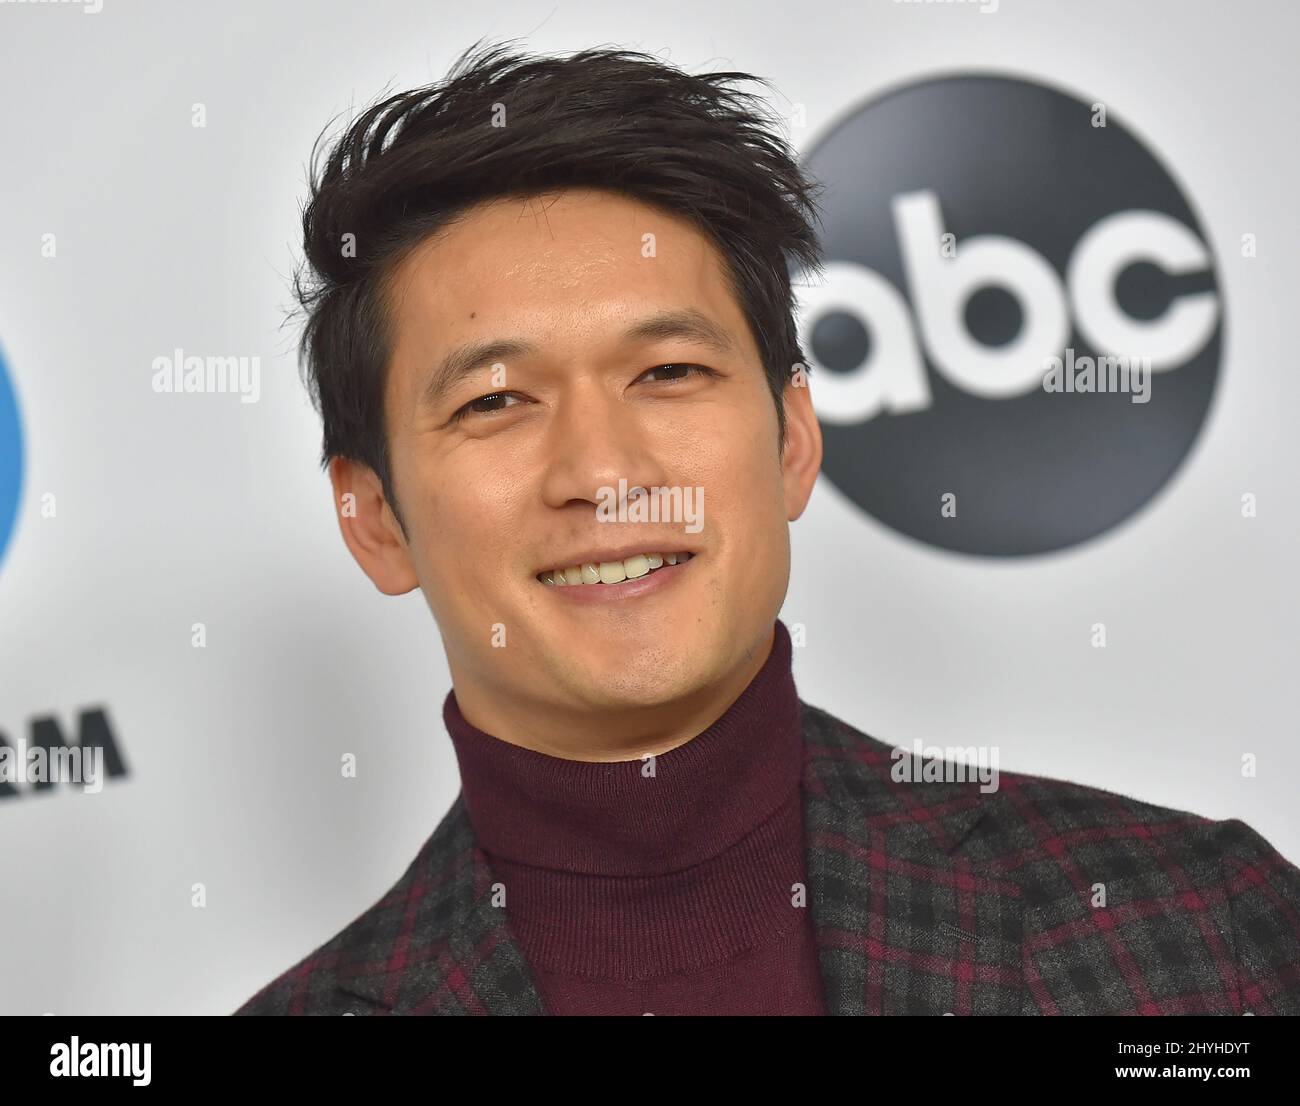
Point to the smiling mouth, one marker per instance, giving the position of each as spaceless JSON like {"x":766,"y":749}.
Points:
{"x":599,"y":573}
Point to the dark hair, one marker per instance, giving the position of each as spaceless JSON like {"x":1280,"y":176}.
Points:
{"x":692,"y":145}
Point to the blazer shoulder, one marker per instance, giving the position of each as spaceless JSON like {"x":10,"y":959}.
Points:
{"x":1018,"y":812}
{"x":306,"y":988}
{"x":311,"y":986}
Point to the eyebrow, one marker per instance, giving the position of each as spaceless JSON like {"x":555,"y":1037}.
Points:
{"x":687,"y":324}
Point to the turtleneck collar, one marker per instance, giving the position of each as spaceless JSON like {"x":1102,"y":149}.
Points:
{"x":611,"y":819}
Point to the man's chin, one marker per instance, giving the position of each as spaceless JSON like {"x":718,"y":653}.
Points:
{"x":613,"y":679}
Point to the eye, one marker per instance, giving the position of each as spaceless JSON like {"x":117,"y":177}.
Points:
{"x":472,"y":407}
{"x":689,"y":370}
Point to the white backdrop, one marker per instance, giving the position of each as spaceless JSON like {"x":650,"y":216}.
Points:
{"x":173,"y":510}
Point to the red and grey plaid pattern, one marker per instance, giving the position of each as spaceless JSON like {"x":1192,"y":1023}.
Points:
{"x":927,"y":898}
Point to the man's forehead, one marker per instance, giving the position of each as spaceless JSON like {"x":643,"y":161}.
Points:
{"x":464,"y":292}
{"x":581,"y":233}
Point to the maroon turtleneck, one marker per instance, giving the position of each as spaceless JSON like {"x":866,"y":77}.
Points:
{"x":679,"y":892}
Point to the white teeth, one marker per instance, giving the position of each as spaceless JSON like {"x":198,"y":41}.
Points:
{"x":610,"y":572}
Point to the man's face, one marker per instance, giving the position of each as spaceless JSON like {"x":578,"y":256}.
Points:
{"x":497,"y":492}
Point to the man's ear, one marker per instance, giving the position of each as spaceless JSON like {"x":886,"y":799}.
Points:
{"x":802,"y":459}
{"x":369,"y":527}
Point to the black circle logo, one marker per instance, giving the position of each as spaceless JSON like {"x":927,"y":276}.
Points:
{"x":1019,"y":332}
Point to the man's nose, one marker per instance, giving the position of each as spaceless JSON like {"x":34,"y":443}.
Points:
{"x":594,"y":441}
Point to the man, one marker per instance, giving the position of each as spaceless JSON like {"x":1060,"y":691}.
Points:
{"x":548,"y":313}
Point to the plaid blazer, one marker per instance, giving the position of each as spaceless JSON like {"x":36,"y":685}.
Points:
{"x":927,"y":898}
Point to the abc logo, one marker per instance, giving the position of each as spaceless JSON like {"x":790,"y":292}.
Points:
{"x":975,"y":229}
{"x":11,"y":457}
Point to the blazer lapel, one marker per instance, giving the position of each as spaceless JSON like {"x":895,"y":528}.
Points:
{"x":437,"y":943}
{"x":906,"y":921}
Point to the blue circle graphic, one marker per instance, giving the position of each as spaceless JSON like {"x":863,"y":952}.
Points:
{"x":11,"y":457}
